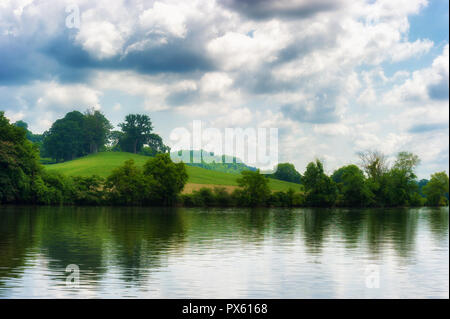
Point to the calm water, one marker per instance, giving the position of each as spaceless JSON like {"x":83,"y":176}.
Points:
{"x":224,"y":253}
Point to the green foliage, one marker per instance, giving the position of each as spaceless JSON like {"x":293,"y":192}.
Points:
{"x":436,"y":190}
{"x":421,"y":184}
{"x":169,"y":177}
{"x":62,"y":141}
{"x":36,"y":139}
{"x":18,"y":163}
{"x":282,"y":199}
{"x":352,"y":186}
{"x":286,"y":172}
{"x":203,"y":197}
{"x":96,"y":130}
{"x":127,"y":185}
{"x":320,"y":189}
{"x":51,"y":188}
{"x":88,"y":190}
{"x":255,"y":188}
{"x":136,"y":132}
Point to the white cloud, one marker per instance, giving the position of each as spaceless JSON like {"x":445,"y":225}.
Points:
{"x":165,"y":18}
{"x":66,"y":97}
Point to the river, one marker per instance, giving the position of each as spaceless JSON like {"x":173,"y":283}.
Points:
{"x":117,"y":252}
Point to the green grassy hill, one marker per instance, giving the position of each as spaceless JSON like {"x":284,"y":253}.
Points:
{"x":102,"y":164}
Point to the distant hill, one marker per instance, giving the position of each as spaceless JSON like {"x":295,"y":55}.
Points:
{"x":226,"y":163}
{"x":103,"y":163}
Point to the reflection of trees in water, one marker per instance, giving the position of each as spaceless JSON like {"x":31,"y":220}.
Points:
{"x":285,"y":223}
{"x":142,"y":237}
{"x":396,"y":227}
{"x":206,"y":225}
{"x":438,"y":222}
{"x":136,"y":240}
{"x":17,"y":236}
{"x":403,"y":229}
{"x":350,"y":223}
{"x":315,"y":224}
{"x":74,"y":235}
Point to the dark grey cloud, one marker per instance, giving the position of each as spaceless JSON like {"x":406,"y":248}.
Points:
{"x":181,"y":98}
{"x":268,"y":9}
{"x":263,"y":82}
{"x":19,"y":63}
{"x":319,"y":115}
{"x":439,"y":91}
{"x":58,"y":56}
{"x":321,"y":108}
{"x":427,"y":127}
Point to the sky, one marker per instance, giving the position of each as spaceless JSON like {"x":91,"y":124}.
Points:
{"x":336,"y":77}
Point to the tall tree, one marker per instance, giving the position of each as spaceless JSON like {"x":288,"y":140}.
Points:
{"x":376,"y":167}
{"x":255,"y":188}
{"x":64,"y":140}
{"x":374,"y":163}
{"x":169,"y":178}
{"x":96,"y":130}
{"x":352,"y":186}
{"x":320,"y":189}
{"x":400,"y":183}
{"x":436,"y":190}
{"x":137,"y":129}
{"x":18,"y":163}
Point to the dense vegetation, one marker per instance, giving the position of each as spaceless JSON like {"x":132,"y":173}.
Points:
{"x":159,"y":181}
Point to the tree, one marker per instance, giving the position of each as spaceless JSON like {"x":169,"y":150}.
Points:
{"x":400,"y":184}
{"x":352,"y":186}
{"x":407,"y":162}
{"x":374,"y":164}
{"x":436,"y":190}
{"x":376,"y":167}
{"x":64,"y":140}
{"x":255,"y":188}
{"x":34,"y":138}
{"x":96,"y":130}
{"x":286,"y":172}
{"x":137,"y":130}
{"x":320,"y":189}
{"x":128,"y":186}
{"x":169,"y":178}
{"x":18,"y":163}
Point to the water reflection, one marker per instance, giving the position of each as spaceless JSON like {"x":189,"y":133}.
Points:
{"x":129,"y":252}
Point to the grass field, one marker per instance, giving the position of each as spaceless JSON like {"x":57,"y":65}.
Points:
{"x":102,"y":164}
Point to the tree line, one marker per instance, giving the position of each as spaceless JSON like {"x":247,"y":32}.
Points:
{"x":160,"y":182}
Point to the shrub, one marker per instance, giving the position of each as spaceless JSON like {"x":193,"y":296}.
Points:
{"x":128,"y":186}
{"x":88,"y":190}
{"x":169,"y":178}
{"x":255,"y":189}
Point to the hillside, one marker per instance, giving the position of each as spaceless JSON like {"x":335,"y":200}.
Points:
{"x":103,"y":163}
{"x":228,"y":164}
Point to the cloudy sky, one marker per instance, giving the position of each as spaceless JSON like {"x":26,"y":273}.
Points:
{"x":334,"y":76}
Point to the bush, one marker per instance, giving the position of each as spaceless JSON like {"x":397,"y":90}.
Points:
{"x":127,"y":185}
{"x":222,"y":197}
{"x":255,"y":189}
{"x":88,"y":190}
{"x":169,"y":178}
